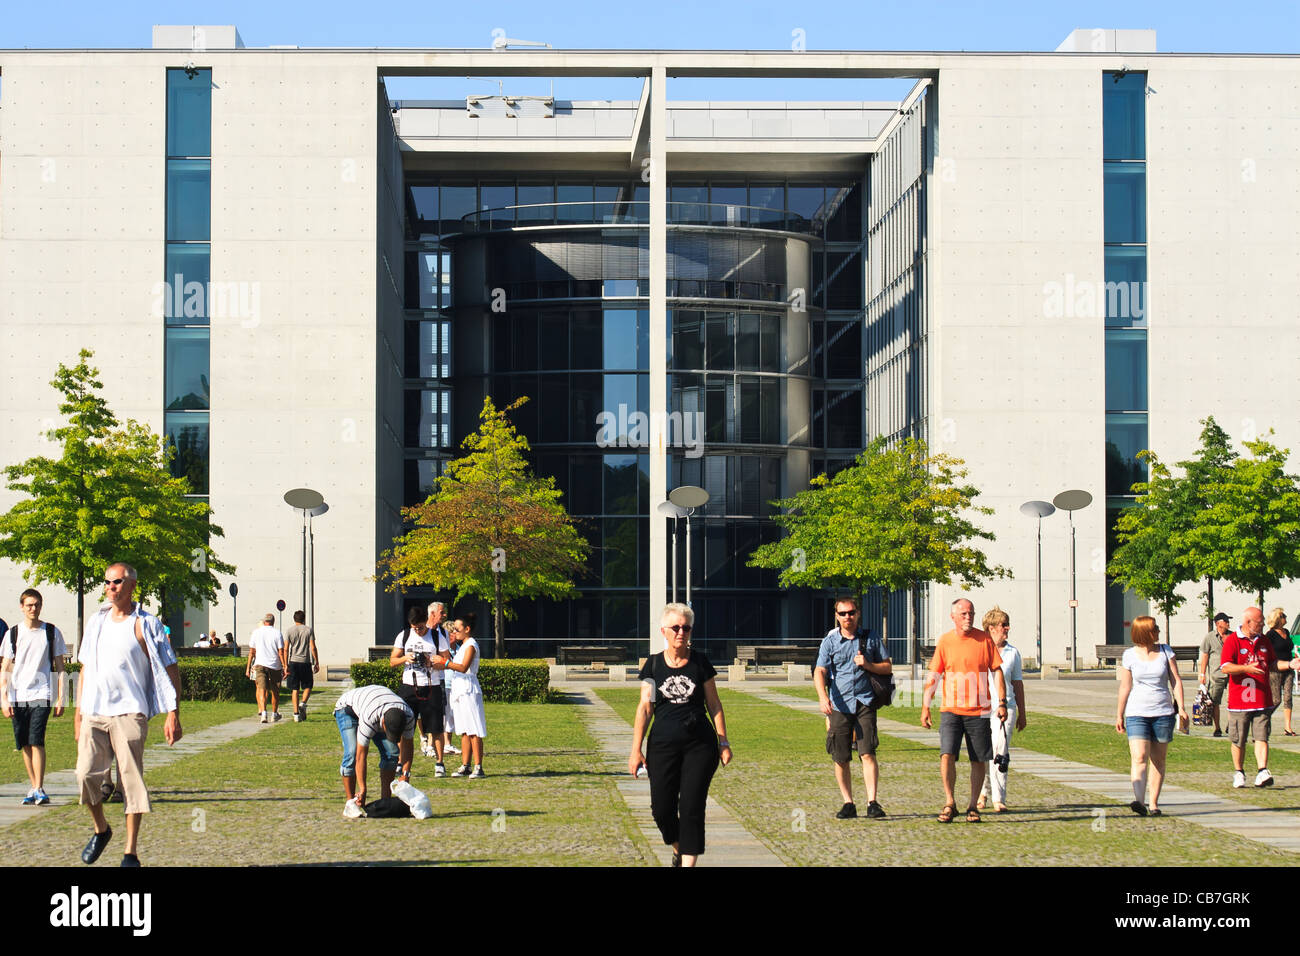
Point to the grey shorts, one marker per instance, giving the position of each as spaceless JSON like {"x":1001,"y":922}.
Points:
{"x":978,"y":733}
{"x":1239,"y":721}
{"x":1216,"y":687}
{"x":845,"y":728}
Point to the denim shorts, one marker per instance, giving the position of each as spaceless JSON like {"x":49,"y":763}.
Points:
{"x":1159,"y":729}
{"x":347,"y":721}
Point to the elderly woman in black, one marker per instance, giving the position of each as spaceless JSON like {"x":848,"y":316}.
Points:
{"x":677,"y":686}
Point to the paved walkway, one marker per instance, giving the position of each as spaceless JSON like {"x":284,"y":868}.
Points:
{"x":61,"y":785}
{"x":1278,"y":828}
{"x":729,"y":843}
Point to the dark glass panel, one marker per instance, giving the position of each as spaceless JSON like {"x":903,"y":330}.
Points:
{"x":539,"y":196}
{"x":421,"y":212}
{"x":843,"y":419}
{"x":1125,"y":202}
{"x":502,"y":347}
{"x":620,"y":339}
{"x":688,"y":339}
{"x":620,"y":552}
{"x":187,"y":433}
{"x":585,"y":481}
{"x":720,"y":567}
{"x":455,"y":202}
{"x":620,"y":485}
{"x":495,"y":195}
{"x":585,"y":622}
{"x":525,"y":340}
{"x":585,"y":338}
{"x":844,"y":350}
{"x":553,"y":340}
{"x":643,"y":340}
{"x":419,"y":475}
{"x":187,"y":386}
{"x":720,"y":338}
{"x":769,"y":357}
{"x":525,"y":416}
{"x":845,"y":222}
{"x":621,"y":619}
{"x":189,"y":199}
{"x":1126,"y":370}
{"x":553,"y":408}
{"x":750,"y":430}
{"x":620,"y":401}
{"x":807,"y":202}
{"x":1126,"y":435}
{"x":185,"y":288}
{"x":586,"y":393}
{"x":574,"y":194}
{"x":767,"y":196}
{"x":769,"y":398}
{"x":844,"y":280}
{"x":189,"y":113}
{"x":747,"y":342}
{"x":1126,"y":286}
{"x":1123,"y":116}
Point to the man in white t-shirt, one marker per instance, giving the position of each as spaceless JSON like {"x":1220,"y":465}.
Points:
{"x":422,"y":651}
{"x":266,"y":664}
{"x":32,"y":653}
{"x":128,"y":674}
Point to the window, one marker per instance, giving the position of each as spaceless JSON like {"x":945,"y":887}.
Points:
{"x":185,"y":289}
{"x":187,"y":433}
{"x":189,"y":199}
{"x":1126,"y":286}
{"x":186,"y":364}
{"x":1125,"y":201}
{"x":1123,"y":111}
{"x":1126,"y":370}
{"x":1126,"y":435}
{"x":189,"y":113}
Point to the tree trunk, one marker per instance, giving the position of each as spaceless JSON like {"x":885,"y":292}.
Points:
{"x":1168,"y":639}
{"x":1261,"y":600}
{"x":81,"y":606}
{"x":1209,"y":595}
{"x":497,"y":623}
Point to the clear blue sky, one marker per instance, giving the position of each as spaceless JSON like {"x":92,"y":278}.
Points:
{"x":1194,"y":26}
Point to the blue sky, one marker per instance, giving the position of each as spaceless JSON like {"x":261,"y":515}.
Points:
{"x":1194,"y":26}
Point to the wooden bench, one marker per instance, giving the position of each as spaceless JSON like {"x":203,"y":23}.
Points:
{"x":1111,"y":653}
{"x":767,"y":654}
{"x":605,"y":654}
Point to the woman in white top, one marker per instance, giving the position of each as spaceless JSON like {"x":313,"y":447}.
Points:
{"x":1146,"y":710}
{"x":998,"y":625}
{"x":466,"y":698}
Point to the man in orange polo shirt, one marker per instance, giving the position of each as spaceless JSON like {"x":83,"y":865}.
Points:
{"x":964,"y":657}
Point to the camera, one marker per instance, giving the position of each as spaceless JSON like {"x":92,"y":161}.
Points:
{"x":1002,"y":761}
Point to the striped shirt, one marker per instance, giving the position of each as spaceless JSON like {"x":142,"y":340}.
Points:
{"x":370,"y":704}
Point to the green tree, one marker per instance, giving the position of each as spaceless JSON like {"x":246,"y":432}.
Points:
{"x":1146,"y":559}
{"x":1202,"y":546}
{"x":895,"y":519}
{"x":490,"y":528}
{"x":107,"y":497}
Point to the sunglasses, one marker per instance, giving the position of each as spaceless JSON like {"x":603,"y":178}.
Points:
{"x":845,"y":613}
{"x":111,"y":581}
{"x":679,"y":628}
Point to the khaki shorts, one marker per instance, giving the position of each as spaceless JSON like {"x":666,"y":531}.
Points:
{"x":102,"y":739}
{"x":845,"y":729}
{"x":267,"y":676}
{"x":1241,"y":720}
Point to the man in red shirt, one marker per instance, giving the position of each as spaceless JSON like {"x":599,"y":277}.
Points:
{"x":1247,"y":660}
{"x":964,"y":657}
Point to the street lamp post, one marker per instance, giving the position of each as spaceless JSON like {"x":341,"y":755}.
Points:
{"x":1072,"y":501}
{"x":688,"y":497}
{"x":304,"y":500}
{"x":1039,"y":510}
{"x":670,"y":510}
{"x":316,"y":512}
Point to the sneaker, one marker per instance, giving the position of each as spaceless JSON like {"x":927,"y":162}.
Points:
{"x":261,"y":716}
{"x":461,"y":771}
{"x":297,"y":717}
{"x":302,"y":711}
{"x":478,"y":771}
{"x":452,"y":749}
{"x":875,"y":811}
{"x":43,"y":798}
{"x":276,"y":717}
{"x":439,"y":770}
{"x":30,"y":799}
{"x":1263,"y":778}
{"x":847,"y":812}
{"x":1218,"y":733}
{"x":96,"y":845}
{"x":1239,"y":779}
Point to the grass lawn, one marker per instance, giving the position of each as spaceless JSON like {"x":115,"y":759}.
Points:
{"x":61,"y":748}
{"x":1197,"y":763}
{"x":782,"y":788}
{"x":276,"y":798}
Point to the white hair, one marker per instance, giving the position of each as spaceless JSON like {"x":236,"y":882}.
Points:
{"x":674,"y":609}
{"x":437,"y":604}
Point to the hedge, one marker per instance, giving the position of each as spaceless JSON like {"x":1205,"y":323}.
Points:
{"x":209,"y":678}
{"x":504,"y":682}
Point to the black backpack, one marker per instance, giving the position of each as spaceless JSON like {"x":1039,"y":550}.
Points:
{"x":49,"y":639}
{"x":882,"y":685}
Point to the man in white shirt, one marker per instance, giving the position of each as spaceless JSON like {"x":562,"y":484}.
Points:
{"x":32,"y":653}
{"x":267,"y":664}
{"x":128,"y":674}
{"x":422,"y":651}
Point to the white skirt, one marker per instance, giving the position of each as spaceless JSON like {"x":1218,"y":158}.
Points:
{"x":467,"y":715}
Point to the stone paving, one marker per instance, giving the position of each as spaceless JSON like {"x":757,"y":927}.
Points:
{"x":1277,"y":828}
{"x":728,"y":842}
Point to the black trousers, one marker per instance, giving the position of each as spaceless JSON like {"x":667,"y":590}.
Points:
{"x":680,"y":774}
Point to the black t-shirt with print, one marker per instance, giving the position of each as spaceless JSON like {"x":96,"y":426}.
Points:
{"x":680,"y":711}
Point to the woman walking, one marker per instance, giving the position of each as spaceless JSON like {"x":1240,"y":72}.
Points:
{"x":678,"y":690}
{"x":467,"y":698}
{"x":1281,"y":682}
{"x":998,"y":625}
{"x":1146,"y":710}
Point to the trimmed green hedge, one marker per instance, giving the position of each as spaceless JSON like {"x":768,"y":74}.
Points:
{"x":503,"y":682}
{"x":215,"y":678}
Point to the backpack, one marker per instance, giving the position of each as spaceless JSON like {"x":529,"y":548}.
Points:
{"x":882,"y":685}
{"x":49,"y":639}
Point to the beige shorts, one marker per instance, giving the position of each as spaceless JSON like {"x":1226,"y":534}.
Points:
{"x":267,"y":677}
{"x":102,"y":739}
{"x":1241,"y":722}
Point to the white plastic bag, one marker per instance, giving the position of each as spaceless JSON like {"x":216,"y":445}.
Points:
{"x":353,"y":810}
{"x":415,"y":799}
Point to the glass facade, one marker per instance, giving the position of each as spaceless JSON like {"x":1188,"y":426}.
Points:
{"x":1125,"y":233}
{"x":569,"y":264}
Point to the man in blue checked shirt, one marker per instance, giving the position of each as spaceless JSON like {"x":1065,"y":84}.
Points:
{"x":848,"y":652}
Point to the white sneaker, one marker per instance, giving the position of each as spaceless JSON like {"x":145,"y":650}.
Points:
{"x":1239,"y":779}
{"x":451,"y":749}
{"x":277,"y":717}
{"x":461,"y":771}
{"x":296,"y":717}
{"x":439,"y":770}
{"x":477,"y":771}
{"x":261,"y":715}
{"x":1263,"y":778}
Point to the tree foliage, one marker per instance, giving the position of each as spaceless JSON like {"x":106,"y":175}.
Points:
{"x":490,"y":528}
{"x":1144,"y":560}
{"x":108,"y":496}
{"x":896,"y":518}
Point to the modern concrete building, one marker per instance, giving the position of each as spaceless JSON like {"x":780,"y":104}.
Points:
{"x":1039,"y":262}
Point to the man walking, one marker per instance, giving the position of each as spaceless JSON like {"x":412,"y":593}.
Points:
{"x":128,"y":674}
{"x":373,"y":713}
{"x":303,"y":662}
{"x":1247,"y":660}
{"x":266,"y":664}
{"x":847,"y":657}
{"x":963,"y":658}
{"x":1207,"y":668}
{"x":32,"y":653}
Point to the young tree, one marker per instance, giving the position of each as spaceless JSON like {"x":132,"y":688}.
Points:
{"x":491,"y":528}
{"x":1146,"y":560}
{"x":896,"y":519}
{"x":107,"y":497}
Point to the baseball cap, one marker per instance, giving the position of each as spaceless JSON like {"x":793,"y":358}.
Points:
{"x":1222,"y":617}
